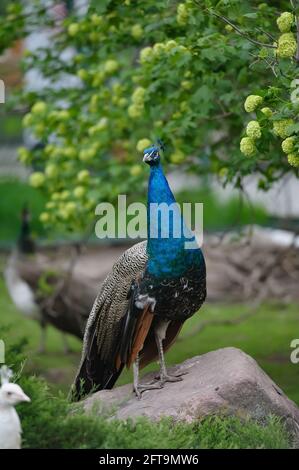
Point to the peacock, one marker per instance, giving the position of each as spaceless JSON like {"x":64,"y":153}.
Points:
{"x":43,"y":294}
{"x":11,"y":395}
{"x":153,"y":288}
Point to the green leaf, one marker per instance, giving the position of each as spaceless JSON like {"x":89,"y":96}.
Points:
{"x":251,"y":15}
{"x":100,"y":7}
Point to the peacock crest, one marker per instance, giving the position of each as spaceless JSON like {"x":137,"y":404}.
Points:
{"x":5,"y":375}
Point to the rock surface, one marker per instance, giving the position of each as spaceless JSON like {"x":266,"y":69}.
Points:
{"x":222,"y":381}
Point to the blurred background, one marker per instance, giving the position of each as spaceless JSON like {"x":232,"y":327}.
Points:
{"x":250,"y":237}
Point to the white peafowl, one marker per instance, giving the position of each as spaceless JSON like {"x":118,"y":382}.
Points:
{"x":42,"y":294}
{"x":10,"y":395}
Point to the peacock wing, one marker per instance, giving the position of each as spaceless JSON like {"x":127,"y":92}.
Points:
{"x":30,"y":273}
{"x":106,"y":323}
{"x":64,"y":300}
{"x":74,"y":304}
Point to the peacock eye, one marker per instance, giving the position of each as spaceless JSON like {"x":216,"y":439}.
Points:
{"x":9,"y":394}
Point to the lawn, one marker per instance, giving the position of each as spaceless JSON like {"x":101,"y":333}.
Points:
{"x":266,"y":336}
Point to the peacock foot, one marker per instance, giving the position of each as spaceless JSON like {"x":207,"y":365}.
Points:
{"x":68,"y":351}
{"x":163,"y":378}
{"x":66,"y":348}
{"x":41,"y":350}
{"x":139,"y":389}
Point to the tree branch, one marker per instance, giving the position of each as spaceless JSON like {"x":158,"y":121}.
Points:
{"x":240,"y":32}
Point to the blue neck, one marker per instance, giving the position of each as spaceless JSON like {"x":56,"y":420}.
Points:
{"x":167,"y":238}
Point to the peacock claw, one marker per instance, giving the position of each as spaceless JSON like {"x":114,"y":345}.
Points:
{"x":144,"y":387}
{"x":169,"y":378}
{"x":163,"y":378}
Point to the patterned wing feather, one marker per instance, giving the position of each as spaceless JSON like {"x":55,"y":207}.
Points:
{"x":106,"y":323}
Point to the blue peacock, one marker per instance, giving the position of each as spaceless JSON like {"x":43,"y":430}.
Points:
{"x":152,"y":289}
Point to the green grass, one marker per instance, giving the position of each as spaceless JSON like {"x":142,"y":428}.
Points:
{"x":50,"y":422}
{"x":47,"y":422}
{"x":266,"y":336}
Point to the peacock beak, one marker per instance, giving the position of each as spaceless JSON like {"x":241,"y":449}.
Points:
{"x":147,"y":157}
{"x":24,"y":397}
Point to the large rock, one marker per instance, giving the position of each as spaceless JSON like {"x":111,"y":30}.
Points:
{"x":222,"y":381}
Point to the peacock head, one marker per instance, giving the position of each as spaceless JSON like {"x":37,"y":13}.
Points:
{"x":151,"y":155}
{"x":11,"y":394}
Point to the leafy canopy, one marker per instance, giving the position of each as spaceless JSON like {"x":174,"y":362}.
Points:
{"x":123,"y":73}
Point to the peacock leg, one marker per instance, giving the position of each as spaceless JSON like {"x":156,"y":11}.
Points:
{"x":160,"y":334}
{"x":140,"y":388}
{"x":66,"y":348}
{"x":43,"y":335}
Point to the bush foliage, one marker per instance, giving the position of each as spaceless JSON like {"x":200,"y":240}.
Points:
{"x":48,"y":423}
{"x":121,"y":74}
